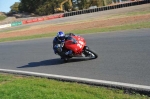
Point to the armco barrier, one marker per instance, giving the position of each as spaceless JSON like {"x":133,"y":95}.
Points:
{"x":24,"y":22}
{"x":5,"y":26}
{"x":50,"y":17}
{"x":61,"y":15}
{"x":40,"y":19}
{"x":124,"y":4}
{"x":29,"y":21}
{"x":35,"y":20}
{"x":46,"y":18}
{"x":16,"y":23}
{"x":56,"y":16}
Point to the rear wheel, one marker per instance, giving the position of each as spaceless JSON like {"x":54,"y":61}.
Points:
{"x":91,"y":54}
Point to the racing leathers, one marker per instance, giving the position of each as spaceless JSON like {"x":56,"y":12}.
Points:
{"x":58,"y":46}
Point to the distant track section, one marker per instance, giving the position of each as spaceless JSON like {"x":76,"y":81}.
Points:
{"x":109,"y":7}
{"x":51,"y":17}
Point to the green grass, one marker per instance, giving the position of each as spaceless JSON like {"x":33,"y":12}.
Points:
{"x":129,"y":14}
{"x":27,"y":37}
{"x":115,"y":28}
{"x":19,"y":87}
{"x":2,"y":17}
{"x":138,"y":13}
{"x":84,"y":31}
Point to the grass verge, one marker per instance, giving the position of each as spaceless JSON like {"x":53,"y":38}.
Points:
{"x":2,"y":17}
{"x":129,"y":14}
{"x":84,"y":31}
{"x":21,"y":87}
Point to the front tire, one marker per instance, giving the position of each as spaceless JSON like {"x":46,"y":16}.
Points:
{"x":91,"y":54}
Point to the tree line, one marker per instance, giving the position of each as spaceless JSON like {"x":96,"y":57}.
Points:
{"x":47,"y":7}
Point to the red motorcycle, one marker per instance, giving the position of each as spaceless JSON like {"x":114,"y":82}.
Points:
{"x":79,"y":49}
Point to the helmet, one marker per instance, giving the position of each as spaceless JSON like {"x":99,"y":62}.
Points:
{"x":61,"y":36}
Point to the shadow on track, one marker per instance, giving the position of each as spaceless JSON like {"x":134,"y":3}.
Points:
{"x":50,"y":62}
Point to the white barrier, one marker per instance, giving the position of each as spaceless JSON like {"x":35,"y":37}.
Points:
{"x":5,"y":26}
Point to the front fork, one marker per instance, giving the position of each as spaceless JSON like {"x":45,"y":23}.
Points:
{"x":84,"y":51}
{"x":85,"y":47}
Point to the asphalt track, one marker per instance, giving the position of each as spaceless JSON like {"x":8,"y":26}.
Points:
{"x":124,"y":56}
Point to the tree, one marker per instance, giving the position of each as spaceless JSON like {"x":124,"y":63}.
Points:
{"x":82,"y":4}
{"x":15,"y":7}
{"x":46,"y":7}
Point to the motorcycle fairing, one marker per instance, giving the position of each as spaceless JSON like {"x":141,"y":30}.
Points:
{"x":76,"y":44}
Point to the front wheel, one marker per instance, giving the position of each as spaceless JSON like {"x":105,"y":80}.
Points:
{"x":91,"y":54}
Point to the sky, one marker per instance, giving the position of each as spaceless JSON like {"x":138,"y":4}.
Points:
{"x":5,"y":5}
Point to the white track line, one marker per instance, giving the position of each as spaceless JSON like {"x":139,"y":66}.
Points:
{"x":83,"y":80}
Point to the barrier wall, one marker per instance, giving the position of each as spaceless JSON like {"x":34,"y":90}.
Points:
{"x":5,"y":26}
{"x":50,"y":17}
{"x":11,"y":24}
{"x":16,"y":23}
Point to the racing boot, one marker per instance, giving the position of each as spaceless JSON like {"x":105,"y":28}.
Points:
{"x":68,"y":52}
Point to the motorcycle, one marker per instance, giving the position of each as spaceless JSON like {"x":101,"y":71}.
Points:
{"x":77,"y":45}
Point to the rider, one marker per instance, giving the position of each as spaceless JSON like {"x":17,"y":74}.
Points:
{"x":60,"y":39}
